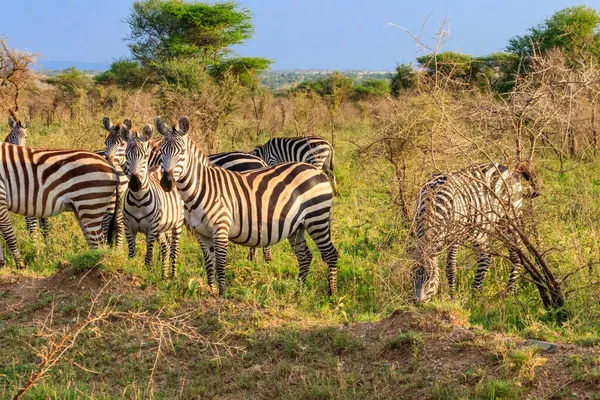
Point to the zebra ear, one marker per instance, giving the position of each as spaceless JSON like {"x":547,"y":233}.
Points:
{"x":147,"y":133}
{"x":162,"y":128}
{"x":25,"y":125}
{"x":128,"y":123}
{"x":183,"y":126}
{"x":11,"y":123}
{"x":125,"y":132}
{"x":107,"y":124}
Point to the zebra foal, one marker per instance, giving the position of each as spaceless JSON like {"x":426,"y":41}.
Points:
{"x":255,"y":209}
{"x":473,"y":205}
{"x":147,"y":207}
{"x":312,"y":150}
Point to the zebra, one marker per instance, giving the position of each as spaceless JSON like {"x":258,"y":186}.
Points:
{"x":18,"y":137}
{"x":115,"y":146}
{"x":256,"y":208}
{"x":147,"y":207}
{"x":239,"y":161}
{"x":114,"y":152}
{"x":310,"y":149}
{"x":43,"y":183}
{"x":473,"y":205}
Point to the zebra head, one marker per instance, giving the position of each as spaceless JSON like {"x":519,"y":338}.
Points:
{"x":425,"y":277}
{"x":173,"y":150}
{"x":137,"y":154}
{"x":115,"y":144}
{"x":18,"y":130}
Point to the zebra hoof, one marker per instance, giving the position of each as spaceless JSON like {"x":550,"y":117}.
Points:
{"x":21,"y":265}
{"x":2,"y":263}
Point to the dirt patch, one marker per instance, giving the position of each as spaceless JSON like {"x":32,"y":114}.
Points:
{"x":19,"y":291}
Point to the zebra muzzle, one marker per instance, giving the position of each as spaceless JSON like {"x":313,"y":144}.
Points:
{"x":167,"y":181}
{"x":135,"y":183}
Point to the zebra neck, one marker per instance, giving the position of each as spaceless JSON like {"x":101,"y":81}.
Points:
{"x":143,"y":191}
{"x":193,"y":174}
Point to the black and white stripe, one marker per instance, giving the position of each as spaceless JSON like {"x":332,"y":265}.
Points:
{"x":43,"y":183}
{"x":18,"y":137}
{"x":256,"y":209}
{"x":313,"y":150}
{"x":473,"y":205}
{"x":239,"y":161}
{"x":147,"y":207}
{"x":114,"y":151}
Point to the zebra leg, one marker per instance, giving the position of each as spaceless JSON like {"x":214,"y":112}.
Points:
{"x":92,"y":227}
{"x":32,"y":226}
{"x":43,"y":222}
{"x":483,"y":265}
{"x":252,"y":254}
{"x":221,"y":240}
{"x":106,"y":223}
{"x":150,"y":239}
{"x":322,"y":238}
{"x":130,"y":234}
{"x":9,"y":236}
{"x":120,"y":230}
{"x":165,"y":248}
{"x":267,"y":254}
{"x":175,"y":235}
{"x":208,"y":250}
{"x":515,"y":271}
{"x":451,"y":269}
{"x":298,"y":242}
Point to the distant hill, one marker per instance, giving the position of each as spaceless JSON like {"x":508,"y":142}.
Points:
{"x":52,"y":65}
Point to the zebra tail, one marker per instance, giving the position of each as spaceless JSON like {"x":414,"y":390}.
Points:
{"x":112,"y":227}
{"x":331,"y":159}
{"x":530,"y":177}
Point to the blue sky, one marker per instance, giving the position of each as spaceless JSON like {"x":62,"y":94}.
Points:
{"x":325,"y":34}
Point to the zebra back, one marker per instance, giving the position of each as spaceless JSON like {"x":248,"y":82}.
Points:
{"x":311,"y":149}
{"x":237,"y":161}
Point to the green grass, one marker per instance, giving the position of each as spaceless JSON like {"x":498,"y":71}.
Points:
{"x":297,"y":342}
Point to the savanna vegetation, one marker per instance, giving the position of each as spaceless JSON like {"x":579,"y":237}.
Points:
{"x":95,"y":324}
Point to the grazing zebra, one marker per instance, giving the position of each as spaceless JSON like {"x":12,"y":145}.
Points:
{"x":18,"y":137}
{"x":257,"y":208}
{"x":43,"y":183}
{"x":310,"y":149}
{"x":238,"y":161}
{"x":147,"y":207}
{"x":472,"y":205}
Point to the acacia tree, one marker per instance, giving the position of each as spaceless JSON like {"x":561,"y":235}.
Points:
{"x":15,"y":74}
{"x":163,"y":30}
{"x":167,"y":30}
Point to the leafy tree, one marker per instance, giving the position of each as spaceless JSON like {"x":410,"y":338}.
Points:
{"x":72,"y":86}
{"x":125,"y":73}
{"x":574,"y":30}
{"x":244,"y":69}
{"x":405,"y":78}
{"x":371,"y":88}
{"x":167,"y":29}
{"x":449,"y":63}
